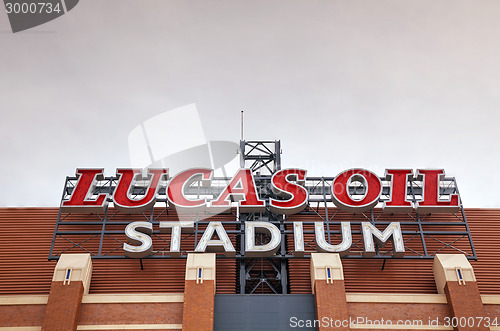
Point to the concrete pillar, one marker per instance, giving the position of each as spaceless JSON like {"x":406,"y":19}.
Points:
{"x":327,"y":280}
{"x":199,"y":292}
{"x":455,"y":277}
{"x":70,"y":281}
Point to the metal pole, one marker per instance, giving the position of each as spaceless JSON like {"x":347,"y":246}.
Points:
{"x":242,"y":125}
{"x":419,"y":220}
{"x":277,"y":151}
{"x":242,"y":153}
{"x":465,"y":220}
{"x":58,"y":221}
{"x":243,"y":272}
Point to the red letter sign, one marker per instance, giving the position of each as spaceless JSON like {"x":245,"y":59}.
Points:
{"x":398,"y":202}
{"x":124,"y":189}
{"x":343,"y":200}
{"x":430,"y":197}
{"x":176,"y":189}
{"x":296,"y":195}
{"x":242,"y":189}
{"x":81,"y":200}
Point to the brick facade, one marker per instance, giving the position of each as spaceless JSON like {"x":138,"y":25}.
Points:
{"x":465,"y":302}
{"x":131,"y":313}
{"x":198,"y":311}
{"x":21,"y":315}
{"x":331,"y":302}
{"x":63,"y":308}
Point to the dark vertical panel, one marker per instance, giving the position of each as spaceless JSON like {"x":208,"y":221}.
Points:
{"x":263,"y":311}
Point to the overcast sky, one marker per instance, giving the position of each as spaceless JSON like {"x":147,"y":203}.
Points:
{"x":372,"y":84}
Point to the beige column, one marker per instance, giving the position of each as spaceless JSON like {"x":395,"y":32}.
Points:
{"x":199,"y":292}
{"x":70,"y":281}
{"x":455,"y":277}
{"x":327,"y":280}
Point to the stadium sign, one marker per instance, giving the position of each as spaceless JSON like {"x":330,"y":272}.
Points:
{"x":289,"y":196}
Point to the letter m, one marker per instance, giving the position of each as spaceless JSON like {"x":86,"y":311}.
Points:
{"x":392,"y":232}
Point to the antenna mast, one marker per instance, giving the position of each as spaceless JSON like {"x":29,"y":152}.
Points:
{"x":242,"y":125}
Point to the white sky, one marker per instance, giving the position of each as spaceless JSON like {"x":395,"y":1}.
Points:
{"x":372,"y":84}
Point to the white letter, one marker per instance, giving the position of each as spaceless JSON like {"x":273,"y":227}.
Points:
{"x":323,"y":246}
{"x":207,"y":244}
{"x":138,"y":233}
{"x":268,"y":249}
{"x":393,"y":229}
{"x":176,"y":228}
{"x":298,"y":238}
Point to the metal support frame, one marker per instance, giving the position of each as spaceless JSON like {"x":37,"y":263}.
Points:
{"x":262,"y":157}
{"x":265,"y":274}
{"x":102,"y":235}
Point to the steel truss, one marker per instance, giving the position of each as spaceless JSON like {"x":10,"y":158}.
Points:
{"x":102,"y":235}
